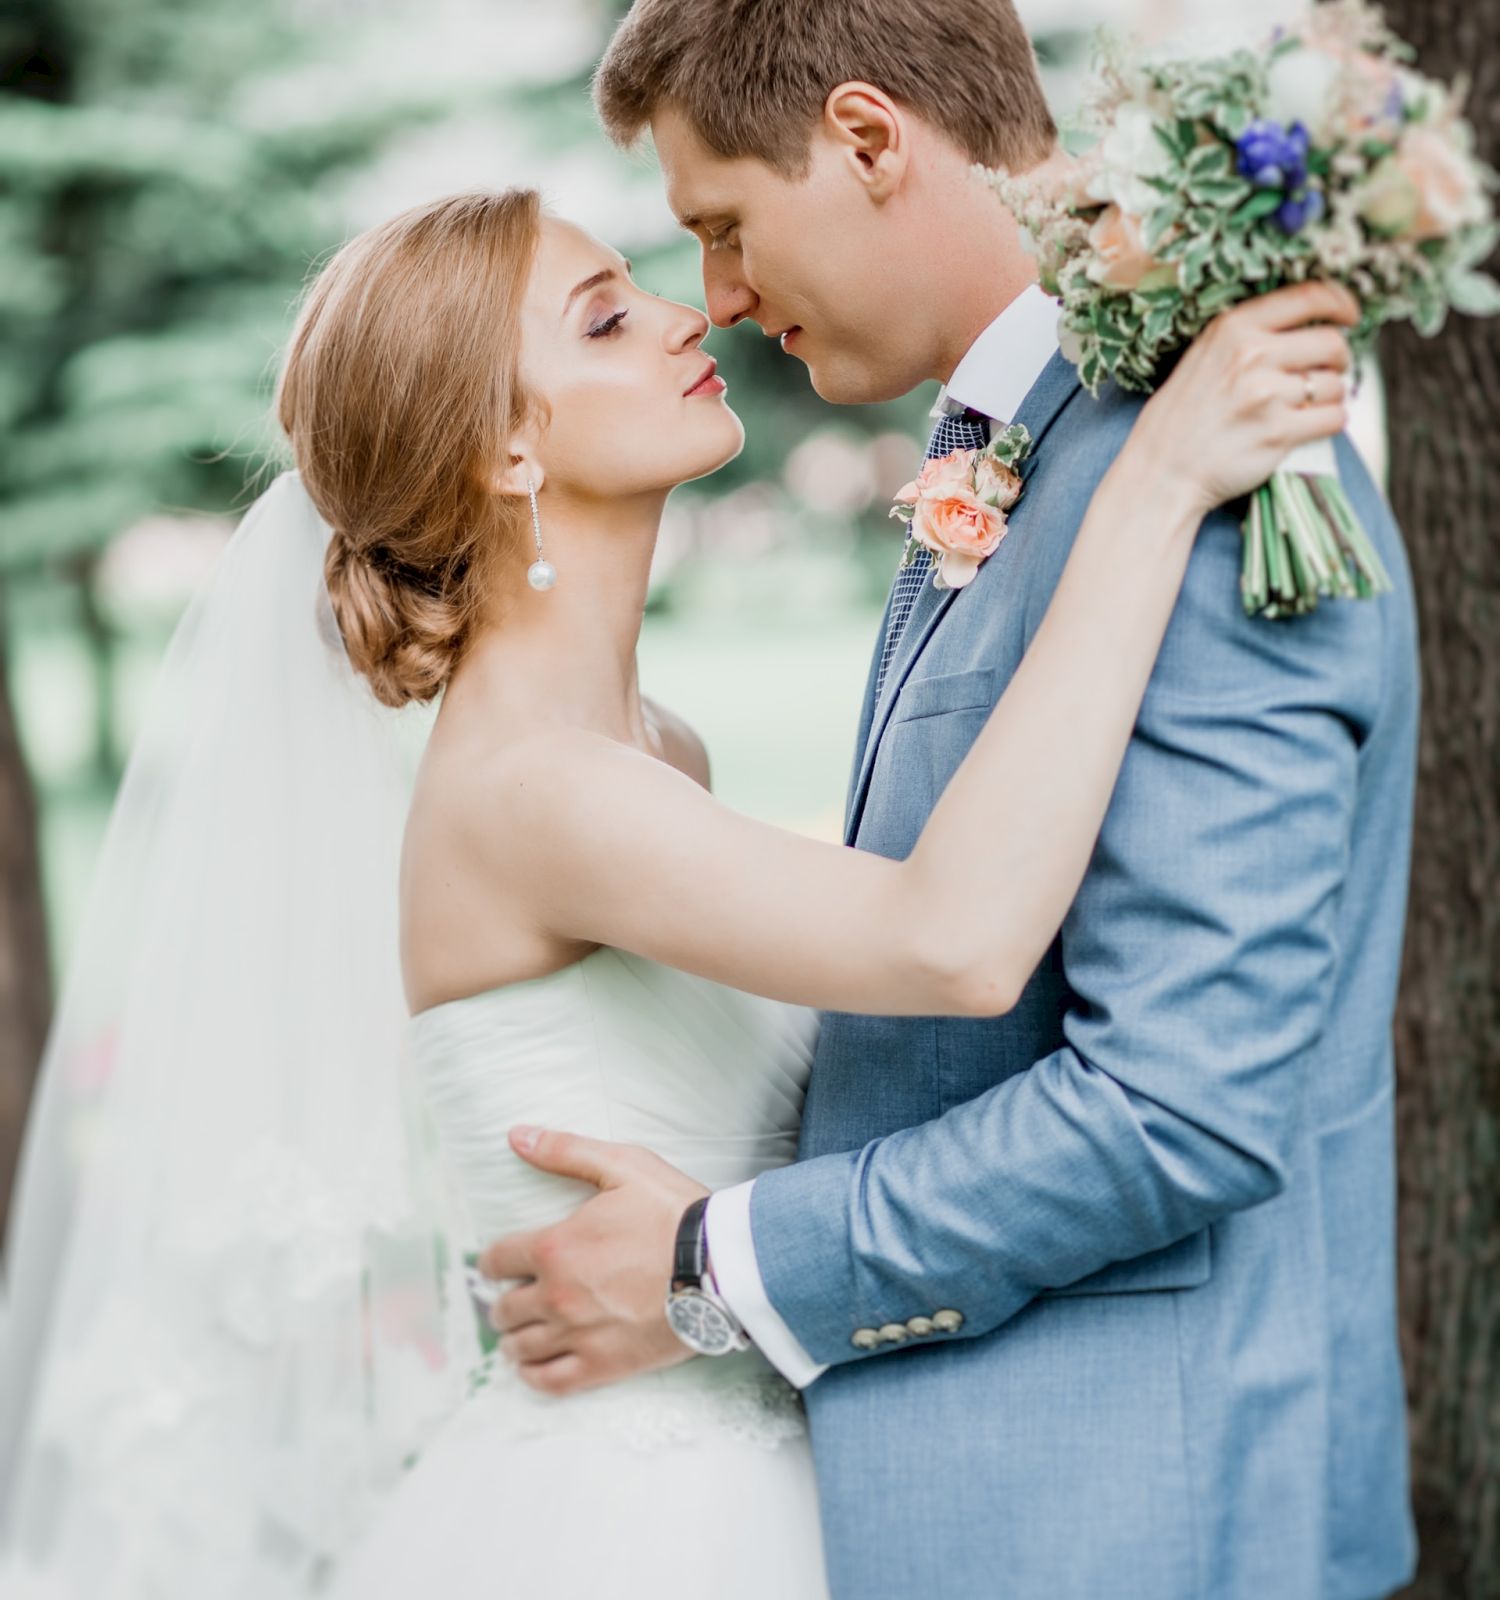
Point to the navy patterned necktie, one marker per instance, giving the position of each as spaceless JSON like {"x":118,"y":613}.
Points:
{"x":965,"y":430}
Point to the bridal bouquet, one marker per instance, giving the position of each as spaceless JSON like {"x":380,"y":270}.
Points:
{"x":1323,"y":155}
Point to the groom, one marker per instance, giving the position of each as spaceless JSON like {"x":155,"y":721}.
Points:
{"x":1093,"y":1301}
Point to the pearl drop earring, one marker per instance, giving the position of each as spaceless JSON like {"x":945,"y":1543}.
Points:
{"x":541,"y":574}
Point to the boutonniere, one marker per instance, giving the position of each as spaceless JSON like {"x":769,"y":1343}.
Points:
{"x":956,"y":506}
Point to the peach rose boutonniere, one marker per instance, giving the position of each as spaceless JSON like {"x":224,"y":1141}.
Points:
{"x":956,"y":506}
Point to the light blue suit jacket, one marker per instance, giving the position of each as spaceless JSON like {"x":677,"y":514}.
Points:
{"x":1160,"y":1193}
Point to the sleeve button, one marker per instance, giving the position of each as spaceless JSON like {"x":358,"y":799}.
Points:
{"x":947,"y":1321}
{"x":921,"y":1326}
{"x":894,"y":1333}
{"x":864,"y":1339}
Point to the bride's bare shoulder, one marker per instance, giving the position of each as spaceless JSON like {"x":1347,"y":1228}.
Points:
{"x":568,"y":772}
{"x":550,"y":785}
{"x":681,"y":746}
{"x":522,"y":810}
{"x":485,"y":821}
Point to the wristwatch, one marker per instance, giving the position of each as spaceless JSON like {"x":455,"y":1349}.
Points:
{"x":696,"y":1312}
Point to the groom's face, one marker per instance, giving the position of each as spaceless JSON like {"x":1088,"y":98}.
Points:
{"x":809,"y":259}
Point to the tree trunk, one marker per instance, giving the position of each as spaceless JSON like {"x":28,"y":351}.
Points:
{"x":1445,"y":487}
{"x":25,"y":986}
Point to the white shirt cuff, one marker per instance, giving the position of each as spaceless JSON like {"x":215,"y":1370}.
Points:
{"x":731,"y":1252}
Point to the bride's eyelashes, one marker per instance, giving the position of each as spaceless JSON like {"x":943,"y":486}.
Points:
{"x":603,"y":329}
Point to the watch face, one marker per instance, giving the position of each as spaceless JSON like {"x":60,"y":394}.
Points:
{"x":700,"y":1324}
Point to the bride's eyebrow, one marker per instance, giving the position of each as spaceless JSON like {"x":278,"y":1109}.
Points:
{"x":592,"y":283}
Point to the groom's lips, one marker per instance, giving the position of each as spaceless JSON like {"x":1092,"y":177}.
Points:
{"x":787,"y":335}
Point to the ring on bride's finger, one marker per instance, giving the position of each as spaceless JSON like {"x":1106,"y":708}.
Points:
{"x":1309,"y":392}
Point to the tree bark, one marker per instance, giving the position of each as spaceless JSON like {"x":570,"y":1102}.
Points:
{"x":1444,"y":397}
{"x":25,"y":984}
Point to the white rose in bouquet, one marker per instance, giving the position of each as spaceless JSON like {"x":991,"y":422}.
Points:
{"x":1130,"y":153}
{"x":1300,"y":85}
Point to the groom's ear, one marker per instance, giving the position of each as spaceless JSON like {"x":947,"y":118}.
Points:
{"x":870,"y":131}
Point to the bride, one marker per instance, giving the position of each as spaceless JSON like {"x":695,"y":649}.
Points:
{"x":239,"y":1357}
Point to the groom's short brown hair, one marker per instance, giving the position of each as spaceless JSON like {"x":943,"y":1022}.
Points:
{"x":752,"y":76}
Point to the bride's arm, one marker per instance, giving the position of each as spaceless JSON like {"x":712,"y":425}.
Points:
{"x":613,"y":847}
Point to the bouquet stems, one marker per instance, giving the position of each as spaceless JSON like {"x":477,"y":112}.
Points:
{"x":1303,"y":544}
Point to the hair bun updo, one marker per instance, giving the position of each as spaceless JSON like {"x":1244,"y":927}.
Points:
{"x":400,"y":394}
{"x":403,"y":637}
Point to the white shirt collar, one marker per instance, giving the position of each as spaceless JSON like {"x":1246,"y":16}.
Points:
{"x":1005,"y":360}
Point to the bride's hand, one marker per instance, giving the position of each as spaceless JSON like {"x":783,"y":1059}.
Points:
{"x":1260,"y":380}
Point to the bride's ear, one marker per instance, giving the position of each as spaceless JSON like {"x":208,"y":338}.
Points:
{"x":520,"y":473}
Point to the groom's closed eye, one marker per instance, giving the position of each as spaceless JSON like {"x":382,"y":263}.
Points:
{"x":714,"y":231}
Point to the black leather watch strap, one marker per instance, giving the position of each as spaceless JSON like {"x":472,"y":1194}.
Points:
{"x":687,"y":1259}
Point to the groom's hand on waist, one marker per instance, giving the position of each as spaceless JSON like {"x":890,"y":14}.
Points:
{"x":591,"y":1310}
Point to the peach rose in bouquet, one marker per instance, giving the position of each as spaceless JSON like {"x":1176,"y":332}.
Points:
{"x":1121,"y":259}
{"x":1450,"y":193}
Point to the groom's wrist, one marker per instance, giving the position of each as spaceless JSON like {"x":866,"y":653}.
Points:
{"x":696,"y":1310}
{"x":730,"y":1237}
{"x":711,"y":1277}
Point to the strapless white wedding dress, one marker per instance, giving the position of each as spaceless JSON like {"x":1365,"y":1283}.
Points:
{"x":696,"y":1480}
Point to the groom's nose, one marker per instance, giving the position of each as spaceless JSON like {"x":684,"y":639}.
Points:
{"x":727,"y":296}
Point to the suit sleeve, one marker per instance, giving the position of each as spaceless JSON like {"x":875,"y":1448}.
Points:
{"x":1201,"y":951}
{"x":736,"y":1275}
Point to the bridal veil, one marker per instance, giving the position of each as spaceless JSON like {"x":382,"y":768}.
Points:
{"x":233,"y":1307}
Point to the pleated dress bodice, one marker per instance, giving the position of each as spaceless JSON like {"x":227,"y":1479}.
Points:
{"x":621,"y":1048}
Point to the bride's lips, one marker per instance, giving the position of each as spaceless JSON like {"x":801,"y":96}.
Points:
{"x":790,"y":334}
{"x":709,"y":382}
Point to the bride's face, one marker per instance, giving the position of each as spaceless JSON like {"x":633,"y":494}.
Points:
{"x":631,"y":402}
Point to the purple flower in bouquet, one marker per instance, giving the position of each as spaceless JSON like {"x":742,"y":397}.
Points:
{"x":1298,"y":210}
{"x":1272,"y":156}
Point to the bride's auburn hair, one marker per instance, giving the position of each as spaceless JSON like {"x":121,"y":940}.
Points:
{"x":400,"y":393}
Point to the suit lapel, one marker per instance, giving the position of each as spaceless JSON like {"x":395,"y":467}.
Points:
{"x":1041,"y":407}
{"x":930,"y":608}
{"x":867,"y":710}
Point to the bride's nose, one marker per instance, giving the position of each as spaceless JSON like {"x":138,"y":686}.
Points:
{"x":686,"y":328}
